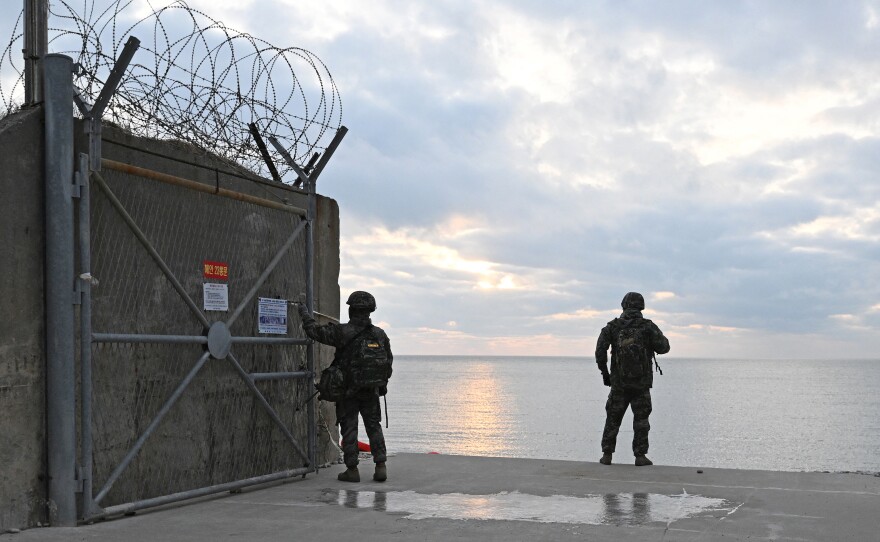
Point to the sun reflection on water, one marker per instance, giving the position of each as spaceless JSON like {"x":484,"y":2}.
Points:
{"x":476,"y":417}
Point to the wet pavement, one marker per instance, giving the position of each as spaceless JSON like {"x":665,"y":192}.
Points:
{"x":436,"y":497}
{"x":609,"y":509}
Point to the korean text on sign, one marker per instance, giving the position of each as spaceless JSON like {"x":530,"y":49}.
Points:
{"x":216,"y":270}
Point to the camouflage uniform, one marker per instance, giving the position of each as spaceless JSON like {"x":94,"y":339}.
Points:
{"x":628,"y":393}
{"x":365,"y":401}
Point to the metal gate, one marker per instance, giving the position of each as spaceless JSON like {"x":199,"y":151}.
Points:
{"x":185,"y":401}
{"x":192,"y":378}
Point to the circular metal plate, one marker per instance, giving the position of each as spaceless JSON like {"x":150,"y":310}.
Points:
{"x":219,"y":340}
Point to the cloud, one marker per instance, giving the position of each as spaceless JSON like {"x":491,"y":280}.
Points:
{"x":516,"y":167}
{"x":414,"y":249}
{"x":580,"y":314}
{"x":519,"y":169}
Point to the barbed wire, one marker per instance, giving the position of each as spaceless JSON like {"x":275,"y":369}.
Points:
{"x":193,"y":79}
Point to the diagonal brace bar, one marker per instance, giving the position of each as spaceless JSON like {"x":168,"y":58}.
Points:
{"x":117,"y":472}
{"x":149,"y":247}
{"x":268,"y":271}
{"x":246,"y":378}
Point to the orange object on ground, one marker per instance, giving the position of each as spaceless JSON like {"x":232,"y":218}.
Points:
{"x":362,"y":446}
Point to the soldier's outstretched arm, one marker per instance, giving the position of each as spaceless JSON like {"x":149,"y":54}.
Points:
{"x":326,"y":334}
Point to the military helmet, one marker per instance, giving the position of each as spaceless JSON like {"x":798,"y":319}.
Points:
{"x":362,"y":300}
{"x":633,"y":300}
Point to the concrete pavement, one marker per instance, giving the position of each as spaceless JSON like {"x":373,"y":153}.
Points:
{"x":439,"y":497}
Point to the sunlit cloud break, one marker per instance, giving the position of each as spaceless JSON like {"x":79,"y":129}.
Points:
{"x":416,"y":249}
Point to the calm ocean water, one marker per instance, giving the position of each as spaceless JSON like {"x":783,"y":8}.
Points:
{"x":797,"y":415}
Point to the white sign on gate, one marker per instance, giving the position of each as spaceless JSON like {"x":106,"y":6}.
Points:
{"x":272,"y":316}
{"x":216,"y":297}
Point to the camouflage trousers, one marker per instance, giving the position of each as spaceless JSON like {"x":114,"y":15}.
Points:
{"x":618,"y":401}
{"x":347,"y":411}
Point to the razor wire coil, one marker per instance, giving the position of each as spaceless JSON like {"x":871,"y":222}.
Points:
{"x":193,"y":79}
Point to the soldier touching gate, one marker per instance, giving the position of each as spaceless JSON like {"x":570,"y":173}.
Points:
{"x":363,"y":362}
{"x":634,"y":341}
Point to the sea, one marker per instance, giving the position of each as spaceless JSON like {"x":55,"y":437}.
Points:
{"x":783,"y":415}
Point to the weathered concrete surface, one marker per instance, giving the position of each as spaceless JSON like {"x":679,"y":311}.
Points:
{"x":22,"y":339}
{"x":554,"y":500}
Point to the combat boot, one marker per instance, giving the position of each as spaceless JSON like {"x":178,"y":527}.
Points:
{"x":642,"y":461}
{"x":351,"y":474}
{"x":381,"y":473}
{"x":606,"y":459}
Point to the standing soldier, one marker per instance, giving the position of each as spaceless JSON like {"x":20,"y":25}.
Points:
{"x":634,"y":341}
{"x":363,"y":353}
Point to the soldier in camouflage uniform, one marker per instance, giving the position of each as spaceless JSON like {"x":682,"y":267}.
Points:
{"x":360,"y":401}
{"x":626,"y":390}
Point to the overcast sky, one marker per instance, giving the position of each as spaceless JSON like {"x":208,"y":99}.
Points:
{"x":513,"y":168}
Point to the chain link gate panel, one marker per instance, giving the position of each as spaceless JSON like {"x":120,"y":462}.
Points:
{"x":178,"y":401}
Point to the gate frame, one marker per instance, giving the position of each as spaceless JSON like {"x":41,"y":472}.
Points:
{"x":67,"y":476}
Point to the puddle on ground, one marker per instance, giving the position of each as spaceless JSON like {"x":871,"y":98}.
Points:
{"x":609,"y":509}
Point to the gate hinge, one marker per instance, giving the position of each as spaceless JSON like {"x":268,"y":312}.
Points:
{"x":77,"y":184}
{"x":77,"y":292}
{"x":79,"y":479}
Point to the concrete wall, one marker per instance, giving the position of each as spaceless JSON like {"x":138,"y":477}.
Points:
{"x":22,"y":339}
{"x":217,"y":433}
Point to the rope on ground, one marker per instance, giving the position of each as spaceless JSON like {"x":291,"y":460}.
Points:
{"x":322,"y":423}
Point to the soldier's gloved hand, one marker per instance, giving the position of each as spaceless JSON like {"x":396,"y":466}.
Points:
{"x":303,"y":310}
{"x":383,"y":390}
{"x":606,"y":379}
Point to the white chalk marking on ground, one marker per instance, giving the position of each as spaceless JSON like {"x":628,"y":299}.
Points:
{"x":732,"y":511}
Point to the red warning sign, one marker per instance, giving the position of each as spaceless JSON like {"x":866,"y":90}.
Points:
{"x":216,"y":270}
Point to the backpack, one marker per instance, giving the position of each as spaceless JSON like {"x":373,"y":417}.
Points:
{"x":332,"y":386}
{"x":368,"y":365}
{"x":361,"y":363}
{"x":633,"y":353}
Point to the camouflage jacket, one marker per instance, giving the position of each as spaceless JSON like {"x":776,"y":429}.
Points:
{"x":339,"y":335}
{"x":659,"y":344}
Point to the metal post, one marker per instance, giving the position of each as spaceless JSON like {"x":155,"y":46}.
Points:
{"x":60,"y":343}
{"x":85,"y":335}
{"x":310,"y":271}
{"x":331,"y":148}
{"x":36,"y":39}
{"x":310,"y":303}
